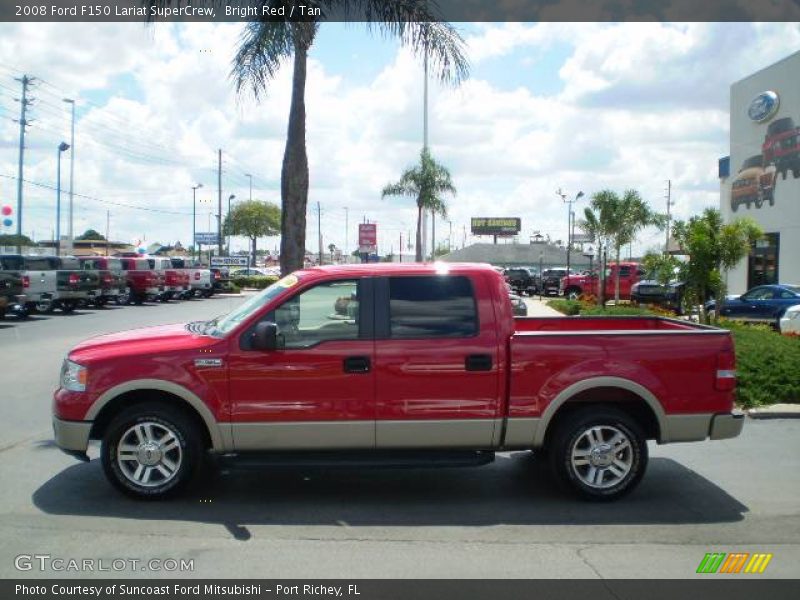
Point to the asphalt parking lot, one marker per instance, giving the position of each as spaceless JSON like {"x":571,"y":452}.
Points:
{"x":503,"y":520}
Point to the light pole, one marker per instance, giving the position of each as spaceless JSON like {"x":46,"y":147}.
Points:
{"x":570,"y":218}
{"x":62,"y":147}
{"x":194,"y":219}
{"x":251,"y":185}
{"x":231,"y":197}
{"x":588,"y":253}
{"x":71,"y":168}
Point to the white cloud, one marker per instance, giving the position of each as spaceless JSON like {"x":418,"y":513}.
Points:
{"x":641,"y":103}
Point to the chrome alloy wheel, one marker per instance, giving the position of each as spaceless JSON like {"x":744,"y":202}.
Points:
{"x":149,"y":454}
{"x":602,"y":456}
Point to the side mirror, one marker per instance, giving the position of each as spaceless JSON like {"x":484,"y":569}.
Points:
{"x":265,"y":336}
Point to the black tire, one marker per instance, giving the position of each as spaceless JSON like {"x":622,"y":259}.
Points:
{"x":185,"y":450}
{"x":572,"y":293}
{"x":573,"y":435}
{"x":68,"y":306}
{"x":734,"y":205}
{"x":2,"y":313}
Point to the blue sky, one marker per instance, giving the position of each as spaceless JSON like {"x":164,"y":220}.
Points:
{"x":548,"y":106}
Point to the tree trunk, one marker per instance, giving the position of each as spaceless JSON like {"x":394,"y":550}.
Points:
{"x":253,"y":251}
{"x":616,"y":278}
{"x":419,"y":234}
{"x":433,"y":235}
{"x":294,"y":174}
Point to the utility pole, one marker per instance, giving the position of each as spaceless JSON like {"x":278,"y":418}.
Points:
{"x":401,"y":246}
{"x":71,"y":171}
{"x":570,"y":217}
{"x":346,"y":230}
{"x":424,"y":236}
{"x":108,"y":227}
{"x":669,"y":213}
{"x":319,"y":232}
{"x":219,"y":204}
{"x":251,"y":185}
{"x":24,"y":102}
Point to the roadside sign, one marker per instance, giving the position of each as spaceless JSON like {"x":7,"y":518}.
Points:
{"x":367,"y":238}
{"x":229,"y":261}
{"x":495,"y":226}
{"x":209,"y":238}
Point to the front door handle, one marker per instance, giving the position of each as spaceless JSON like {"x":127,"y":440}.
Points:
{"x":357,"y":364}
{"x":478,"y":362}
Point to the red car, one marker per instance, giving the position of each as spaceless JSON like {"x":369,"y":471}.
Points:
{"x":629,"y":273}
{"x":416,"y":364}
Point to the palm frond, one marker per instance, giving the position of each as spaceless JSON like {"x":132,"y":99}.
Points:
{"x":262,"y":49}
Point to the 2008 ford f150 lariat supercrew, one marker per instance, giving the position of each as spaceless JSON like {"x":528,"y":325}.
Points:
{"x":419,"y":364}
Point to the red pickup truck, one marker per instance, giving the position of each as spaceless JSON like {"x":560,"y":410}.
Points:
{"x":143,"y":282}
{"x":573,"y":286}
{"x":419,"y":364}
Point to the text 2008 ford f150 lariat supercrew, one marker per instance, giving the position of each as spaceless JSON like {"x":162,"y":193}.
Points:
{"x":411,"y":364}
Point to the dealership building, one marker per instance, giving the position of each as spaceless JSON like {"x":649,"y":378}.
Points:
{"x":761,"y":177}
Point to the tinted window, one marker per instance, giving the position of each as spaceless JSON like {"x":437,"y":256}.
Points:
{"x":11,"y":263}
{"x":70,"y":263}
{"x":432,"y":306}
{"x":90,"y":265}
{"x":114,"y":264}
{"x":38,"y":264}
{"x":759,"y":294}
{"x":786,"y":294}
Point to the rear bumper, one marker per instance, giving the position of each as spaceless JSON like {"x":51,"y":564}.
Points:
{"x":72,"y":436}
{"x":726,"y":426}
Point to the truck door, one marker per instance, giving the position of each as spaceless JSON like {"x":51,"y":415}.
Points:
{"x":436,"y":361}
{"x":317,"y":389}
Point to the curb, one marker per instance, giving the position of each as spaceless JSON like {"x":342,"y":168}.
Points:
{"x":776,"y":411}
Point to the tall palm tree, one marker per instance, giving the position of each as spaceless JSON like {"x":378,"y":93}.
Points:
{"x":615,"y":221}
{"x":426,"y":182}
{"x":266,"y":45}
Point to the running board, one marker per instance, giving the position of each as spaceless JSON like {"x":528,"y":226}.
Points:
{"x":360,"y":458}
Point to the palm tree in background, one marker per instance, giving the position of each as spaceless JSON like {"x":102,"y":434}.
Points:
{"x":614,"y":221}
{"x":266,"y":45}
{"x":427,"y":182}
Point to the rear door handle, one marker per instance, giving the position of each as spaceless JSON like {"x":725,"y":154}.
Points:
{"x":478,"y":362}
{"x":357,"y":364}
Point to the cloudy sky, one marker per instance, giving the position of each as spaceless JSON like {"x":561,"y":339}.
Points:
{"x":577,"y":107}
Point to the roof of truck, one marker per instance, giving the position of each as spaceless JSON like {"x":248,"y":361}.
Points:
{"x":400,"y":268}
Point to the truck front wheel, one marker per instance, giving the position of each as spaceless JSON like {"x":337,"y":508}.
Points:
{"x":151,"y":451}
{"x":600,"y":453}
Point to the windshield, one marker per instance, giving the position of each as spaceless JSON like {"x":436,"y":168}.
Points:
{"x":225,"y":324}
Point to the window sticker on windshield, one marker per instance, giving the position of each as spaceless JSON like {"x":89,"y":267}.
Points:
{"x":288,"y":281}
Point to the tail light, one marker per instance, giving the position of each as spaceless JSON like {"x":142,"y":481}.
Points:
{"x":26,"y":281}
{"x":216,"y":275}
{"x":197,"y":276}
{"x":107,"y":279}
{"x":726,"y":371}
{"x":74,"y":279}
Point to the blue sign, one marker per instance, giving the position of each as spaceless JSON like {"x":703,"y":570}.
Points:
{"x":763,"y":107}
{"x":206,"y":238}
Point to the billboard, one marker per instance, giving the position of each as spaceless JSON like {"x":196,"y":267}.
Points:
{"x":206,"y":238}
{"x":367,"y":238}
{"x":496,"y":225}
{"x":229,"y":261}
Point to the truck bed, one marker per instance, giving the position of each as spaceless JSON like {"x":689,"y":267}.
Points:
{"x":610,"y":324}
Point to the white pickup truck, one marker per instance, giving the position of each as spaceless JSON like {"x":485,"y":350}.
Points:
{"x":51,"y":282}
{"x":199,"y":278}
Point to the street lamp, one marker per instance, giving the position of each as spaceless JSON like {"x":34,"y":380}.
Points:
{"x":251,"y":185}
{"x":231,"y":197}
{"x":62,"y":147}
{"x":194,"y":219}
{"x":570,"y":220}
{"x":71,"y":102}
{"x":589,"y":253}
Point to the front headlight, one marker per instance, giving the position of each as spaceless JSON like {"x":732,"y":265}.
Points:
{"x":73,"y":376}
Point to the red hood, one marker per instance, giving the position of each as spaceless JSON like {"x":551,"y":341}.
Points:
{"x":146,"y":340}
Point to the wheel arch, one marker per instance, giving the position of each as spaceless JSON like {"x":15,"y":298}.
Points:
{"x":111,"y":402}
{"x":623,"y":394}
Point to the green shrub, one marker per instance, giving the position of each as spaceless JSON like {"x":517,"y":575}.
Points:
{"x":254,"y":281}
{"x":565,"y":307}
{"x":767,"y":365}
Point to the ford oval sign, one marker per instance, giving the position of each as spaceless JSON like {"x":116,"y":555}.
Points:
{"x":763,"y":107}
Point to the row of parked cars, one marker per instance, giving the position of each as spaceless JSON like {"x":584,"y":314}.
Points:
{"x":46,"y":283}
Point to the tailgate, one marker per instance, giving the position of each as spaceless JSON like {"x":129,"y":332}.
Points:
{"x":77,"y":281}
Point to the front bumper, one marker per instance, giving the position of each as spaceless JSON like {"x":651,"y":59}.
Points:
{"x":72,"y":436}
{"x":726,"y":426}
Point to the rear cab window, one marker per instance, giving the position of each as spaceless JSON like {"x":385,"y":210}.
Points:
{"x":432,"y":306}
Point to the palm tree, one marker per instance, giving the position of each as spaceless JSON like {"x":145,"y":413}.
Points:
{"x":615,"y":221}
{"x":426,"y":183}
{"x":265,"y":45}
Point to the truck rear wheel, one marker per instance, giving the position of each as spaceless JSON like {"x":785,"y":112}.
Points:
{"x":599,"y":452}
{"x":151,"y":451}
